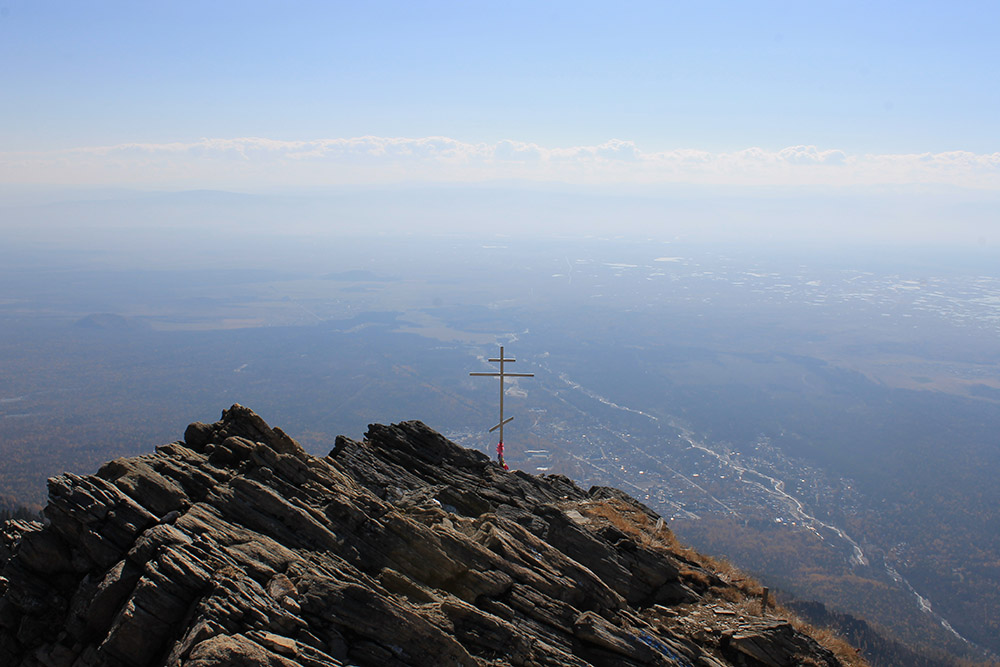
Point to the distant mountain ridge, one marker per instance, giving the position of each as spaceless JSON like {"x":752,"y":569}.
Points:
{"x":236,"y":547}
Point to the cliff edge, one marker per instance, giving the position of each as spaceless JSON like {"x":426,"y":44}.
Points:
{"x":236,"y":547}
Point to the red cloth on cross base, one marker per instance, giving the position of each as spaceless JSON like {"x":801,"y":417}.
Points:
{"x":500,"y":456}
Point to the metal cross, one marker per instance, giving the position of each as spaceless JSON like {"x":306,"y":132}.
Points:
{"x":502,"y":374}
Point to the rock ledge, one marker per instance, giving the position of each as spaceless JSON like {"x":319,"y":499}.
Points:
{"x":236,"y":547}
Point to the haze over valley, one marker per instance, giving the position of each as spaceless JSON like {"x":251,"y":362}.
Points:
{"x":827,"y":419}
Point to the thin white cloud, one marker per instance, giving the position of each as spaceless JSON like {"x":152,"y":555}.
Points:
{"x":255,"y":161}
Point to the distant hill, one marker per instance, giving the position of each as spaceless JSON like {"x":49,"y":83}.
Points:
{"x":872,"y":643}
{"x":12,"y":509}
{"x":105,"y":322}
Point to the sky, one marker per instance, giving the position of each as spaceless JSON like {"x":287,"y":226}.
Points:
{"x":281,"y":97}
{"x":187,"y":94}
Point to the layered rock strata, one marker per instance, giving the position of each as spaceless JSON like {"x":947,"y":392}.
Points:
{"x":236,"y":547}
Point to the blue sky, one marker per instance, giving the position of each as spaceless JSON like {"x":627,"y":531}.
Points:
{"x":698,"y":82}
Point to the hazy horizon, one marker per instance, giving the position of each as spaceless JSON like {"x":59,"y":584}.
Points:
{"x":859,"y":122}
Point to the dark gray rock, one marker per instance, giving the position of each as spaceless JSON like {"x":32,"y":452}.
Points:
{"x":775,"y":645}
{"x":235,"y":547}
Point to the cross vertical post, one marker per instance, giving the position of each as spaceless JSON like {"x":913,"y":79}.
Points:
{"x":502,"y":374}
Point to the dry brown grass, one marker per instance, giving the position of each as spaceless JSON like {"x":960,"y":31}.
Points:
{"x":637,"y":525}
{"x":695,"y":576}
{"x":743,"y":592}
{"x":828,"y":639}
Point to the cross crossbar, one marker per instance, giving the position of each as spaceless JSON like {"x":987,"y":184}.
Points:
{"x":500,"y":425}
{"x":502,"y":374}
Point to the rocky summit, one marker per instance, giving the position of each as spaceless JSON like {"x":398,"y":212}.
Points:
{"x":236,"y":547}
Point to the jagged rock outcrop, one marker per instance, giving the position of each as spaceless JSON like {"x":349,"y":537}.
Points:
{"x":236,"y":547}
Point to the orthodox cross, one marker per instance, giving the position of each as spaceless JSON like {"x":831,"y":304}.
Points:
{"x":503,"y":374}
